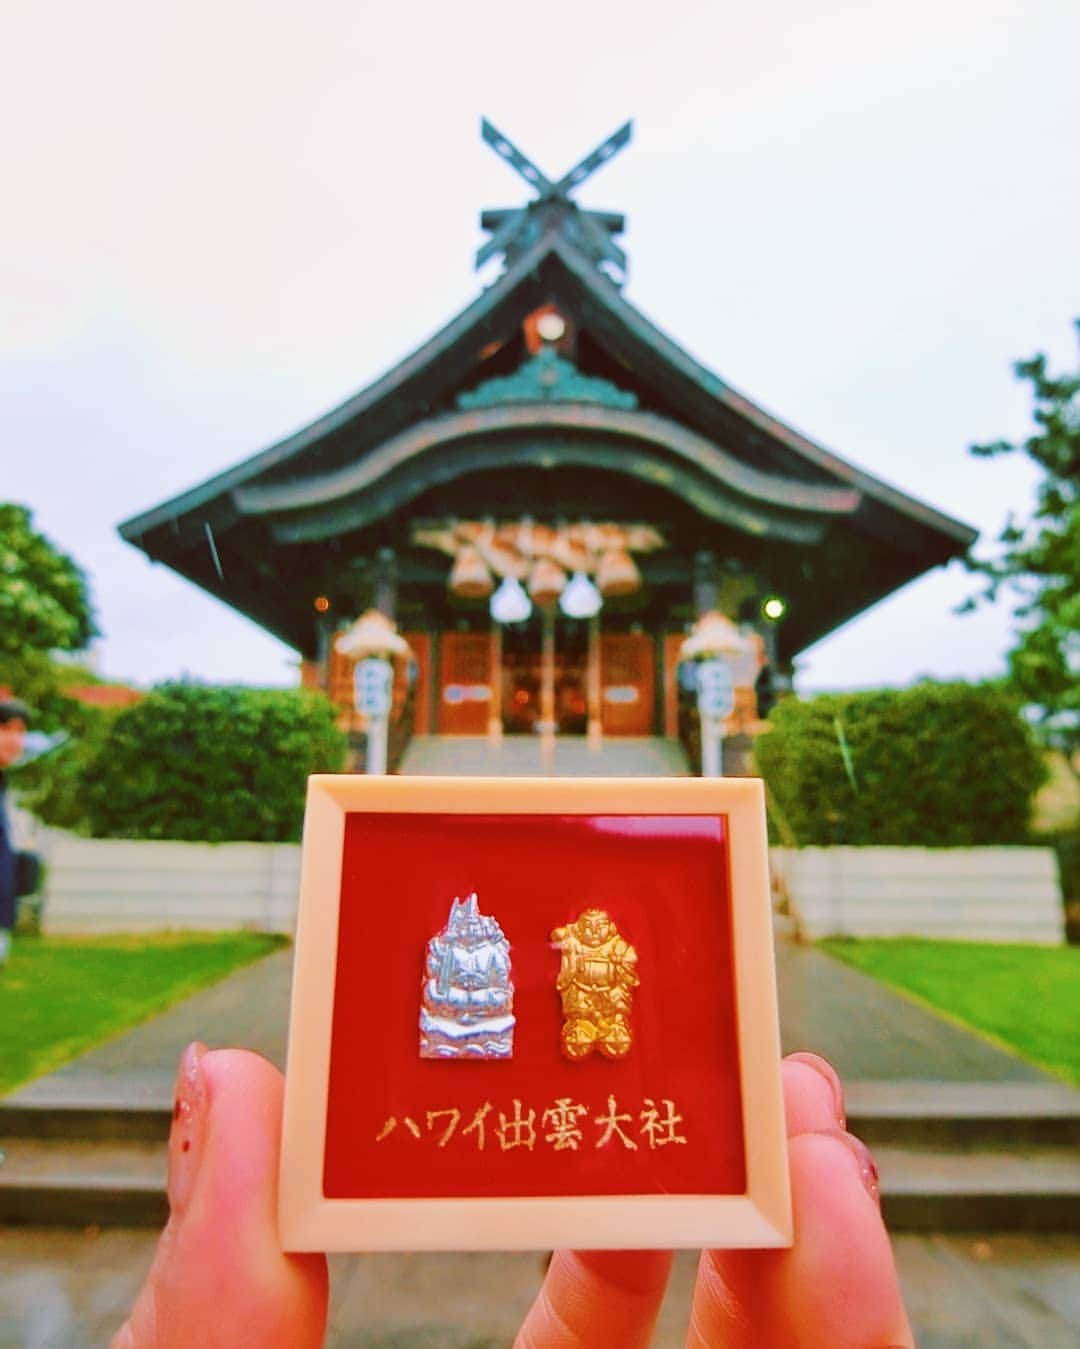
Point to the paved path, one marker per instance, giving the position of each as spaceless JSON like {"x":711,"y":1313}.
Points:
{"x":70,"y":1290}
{"x":871,"y":1034}
{"x":520,"y":756}
{"x":250,"y":1009}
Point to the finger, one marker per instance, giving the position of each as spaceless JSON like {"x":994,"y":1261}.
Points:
{"x":813,"y":1094}
{"x":578,"y":1304}
{"x":219,"y":1276}
{"x":837,"y":1283}
{"x":597,"y":1299}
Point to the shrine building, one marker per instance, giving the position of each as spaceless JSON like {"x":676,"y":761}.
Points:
{"x":544,"y":497}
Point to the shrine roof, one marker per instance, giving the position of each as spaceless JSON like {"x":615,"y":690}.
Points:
{"x":551,"y":268}
{"x":730,"y":447}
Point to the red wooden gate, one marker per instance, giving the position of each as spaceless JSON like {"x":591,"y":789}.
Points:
{"x":627,"y":679}
{"x":464,"y":683}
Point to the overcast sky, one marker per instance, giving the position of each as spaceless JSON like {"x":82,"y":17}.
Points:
{"x":221,"y":219}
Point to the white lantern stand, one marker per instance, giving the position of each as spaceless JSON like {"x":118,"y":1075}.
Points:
{"x":714,"y":646}
{"x":372,"y":642}
{"x":373,"y":683}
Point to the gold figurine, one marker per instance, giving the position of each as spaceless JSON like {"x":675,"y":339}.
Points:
{"x":596,"y":982}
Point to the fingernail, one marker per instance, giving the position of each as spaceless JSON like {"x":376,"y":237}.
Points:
{"x":829,"y":1073}
{"x":188,"y":1128}
{"x":868,"y":1172}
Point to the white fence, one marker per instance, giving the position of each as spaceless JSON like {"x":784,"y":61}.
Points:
{"x":992,"y":894}
{"x":979,"y":894}
{"x":117,"y":885}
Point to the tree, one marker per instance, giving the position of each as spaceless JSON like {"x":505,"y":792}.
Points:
{"x":210,"y":764}
{"x":45,"y":607}
{"x":44,"y":602}
{"x":1039,"y":561}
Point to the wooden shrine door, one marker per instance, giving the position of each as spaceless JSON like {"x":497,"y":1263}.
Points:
{"x":627,"y":677}
{"x":464,"y":683}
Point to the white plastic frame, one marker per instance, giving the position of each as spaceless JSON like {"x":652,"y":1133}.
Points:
{"x":759,"y":1218}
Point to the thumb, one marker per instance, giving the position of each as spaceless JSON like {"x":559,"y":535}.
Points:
{"x":219,"y":1276}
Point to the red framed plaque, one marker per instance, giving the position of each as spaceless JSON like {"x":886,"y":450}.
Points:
{"x":531,"y":1013}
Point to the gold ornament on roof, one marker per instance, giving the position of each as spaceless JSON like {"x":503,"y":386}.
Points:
{"x":596,"y":983}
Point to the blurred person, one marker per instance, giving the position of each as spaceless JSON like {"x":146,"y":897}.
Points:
{"x":14,"y":718}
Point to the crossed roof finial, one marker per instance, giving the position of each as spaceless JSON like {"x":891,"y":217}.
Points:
{"x":513,"y":230}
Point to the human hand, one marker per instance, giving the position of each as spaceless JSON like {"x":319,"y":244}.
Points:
{"x":220,"y":1278}
{"x":834,"y":1288}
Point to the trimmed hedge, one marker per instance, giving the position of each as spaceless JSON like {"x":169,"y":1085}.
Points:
{"x":211,"y":765}
{"x":945,"y":765}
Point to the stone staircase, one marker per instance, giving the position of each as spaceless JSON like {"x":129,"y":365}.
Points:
{"x":522,"y":756}
{"x":967,"y":1137}
{"x":953,"y":1157}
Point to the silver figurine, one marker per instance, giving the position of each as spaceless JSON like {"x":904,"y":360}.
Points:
{"x":467,"y":998}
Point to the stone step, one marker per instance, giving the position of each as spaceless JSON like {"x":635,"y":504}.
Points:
{"x":946,"y":1114}
{"x":523,"y":756}
{"x":61,"y":1182}
{"x":1021,"y":1190}
{"x":964,"y":1114}
{"x":84,"y":1120}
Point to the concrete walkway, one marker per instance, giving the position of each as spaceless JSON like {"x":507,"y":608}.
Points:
{"x":871,"y":1034}
{"x":249,"y":1009}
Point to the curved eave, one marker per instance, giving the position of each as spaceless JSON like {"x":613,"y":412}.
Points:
{"x":638,"y":444}
{"x":454,"y":351}
{"x":456,"y":339}
{"x":652,"y":342}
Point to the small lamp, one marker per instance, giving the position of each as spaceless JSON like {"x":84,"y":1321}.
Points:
{"x":510,"y":604}
{"x":580,"y":599}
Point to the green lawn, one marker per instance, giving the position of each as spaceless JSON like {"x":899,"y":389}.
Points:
{"x":1025,"y":997}
{"x":60,"y":995}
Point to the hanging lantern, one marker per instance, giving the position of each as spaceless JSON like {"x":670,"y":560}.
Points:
{"x":510,"y":604}
{"x":617,"y":574}
{"x":504,"y":561}
{"x":607,"y":536}
{"x":470,"y":578}
{"x":544,"y":539}
{"x":580,"y":599}
{"x":570,"y":553}
{"x":547,"y":581}
{"x":523,"y":539}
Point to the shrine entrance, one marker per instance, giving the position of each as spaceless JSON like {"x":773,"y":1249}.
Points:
{"x":522,"y":678}
{"x":470,"y":698}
